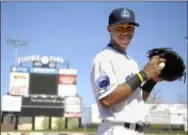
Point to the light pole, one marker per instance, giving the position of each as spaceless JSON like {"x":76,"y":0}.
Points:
{"x":16,"y":44}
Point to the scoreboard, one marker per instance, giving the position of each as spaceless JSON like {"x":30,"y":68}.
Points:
{"x":25,"y":81}
{"x":43,"y":84}
{"x":44,"y":88}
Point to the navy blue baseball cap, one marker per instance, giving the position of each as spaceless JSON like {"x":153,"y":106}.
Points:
{"x":122,"y":15}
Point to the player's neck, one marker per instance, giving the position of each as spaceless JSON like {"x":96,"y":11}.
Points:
{"x":115,"y":46}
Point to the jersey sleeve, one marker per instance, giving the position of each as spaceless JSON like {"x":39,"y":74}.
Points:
{"x":103,"y":78}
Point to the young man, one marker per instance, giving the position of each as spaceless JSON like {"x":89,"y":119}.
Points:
{"x":116,"y":79}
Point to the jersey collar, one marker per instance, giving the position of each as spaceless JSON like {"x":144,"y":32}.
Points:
{"x":116,"y":49}
{"x":110,"y":45}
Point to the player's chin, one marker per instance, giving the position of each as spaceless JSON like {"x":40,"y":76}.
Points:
{"x":124,"y":44}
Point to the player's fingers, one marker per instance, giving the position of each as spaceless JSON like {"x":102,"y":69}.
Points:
{"x":161,"y":60}
{"x":158,"y":72}
{"x":154,"y":59}
{"x":159,"y":69}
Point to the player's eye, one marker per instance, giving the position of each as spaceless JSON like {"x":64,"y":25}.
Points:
{"x":118,"y":29}
{"x":124,"y":29}
{"x":130,"y":28}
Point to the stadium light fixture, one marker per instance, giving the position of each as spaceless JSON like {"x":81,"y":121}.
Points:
{"x":16,"y":43}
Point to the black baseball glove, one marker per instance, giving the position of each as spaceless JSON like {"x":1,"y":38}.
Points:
{"x":174,"y":65}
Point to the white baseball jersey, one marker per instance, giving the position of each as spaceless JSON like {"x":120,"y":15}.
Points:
{"x":109,"y":69}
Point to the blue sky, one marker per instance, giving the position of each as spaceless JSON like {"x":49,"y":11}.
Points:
{"x":76,"y":31}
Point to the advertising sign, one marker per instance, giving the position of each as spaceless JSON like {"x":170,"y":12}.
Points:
{"x":176,"y":119}
{"x":43,"y":70}
{"x":72,"y":107}
{"x":67,"y":79}
{"x":19,"y":69}
{"x":19,"y":84}
{"x":67,"y":82}
{"x":43,"y":101}
{"x":11,"y":103}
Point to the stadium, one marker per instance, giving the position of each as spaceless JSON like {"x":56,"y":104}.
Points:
{"x":43,"y":96}
{"x":38,"y":87}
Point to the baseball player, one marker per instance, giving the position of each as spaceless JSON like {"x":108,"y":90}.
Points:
{"x":120,"y":88}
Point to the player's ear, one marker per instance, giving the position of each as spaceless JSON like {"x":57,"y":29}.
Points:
{"x":109,"y":29}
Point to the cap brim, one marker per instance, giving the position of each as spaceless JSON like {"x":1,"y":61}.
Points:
{"x":120,"y":22}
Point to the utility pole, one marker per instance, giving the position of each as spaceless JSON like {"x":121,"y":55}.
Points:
{"x":16,"y":44}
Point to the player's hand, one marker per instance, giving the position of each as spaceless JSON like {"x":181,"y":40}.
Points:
{"x":152,"y":68}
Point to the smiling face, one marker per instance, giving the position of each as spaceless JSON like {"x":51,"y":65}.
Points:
{"x":121,"y":35}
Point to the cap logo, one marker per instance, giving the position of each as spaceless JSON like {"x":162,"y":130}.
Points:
{"x":125,"y":13}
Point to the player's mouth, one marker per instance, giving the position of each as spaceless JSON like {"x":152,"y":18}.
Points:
{"x":125,"y":39}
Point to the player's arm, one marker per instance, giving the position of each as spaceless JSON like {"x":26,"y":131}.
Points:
{"x":107,"y":89}
{"x":123,"y":91}
{"x":112,"y":93}
{"x":148,"y":86}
